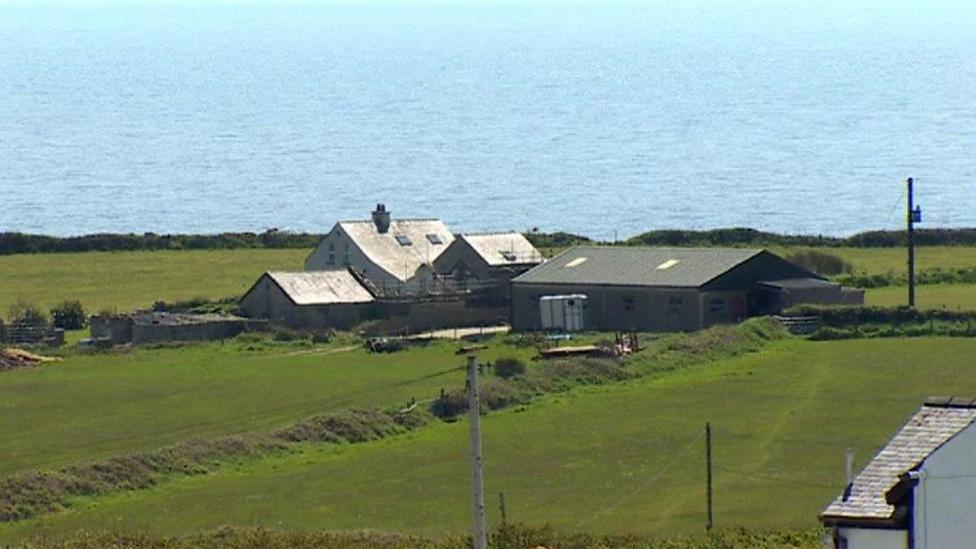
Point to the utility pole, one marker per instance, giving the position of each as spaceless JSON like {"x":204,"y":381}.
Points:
{"x":914,"y":216}
{"x":478,"y":480}
{"x":708,"y":464}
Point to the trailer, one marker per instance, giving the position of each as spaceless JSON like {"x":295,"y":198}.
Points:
{"x":563,"y":312}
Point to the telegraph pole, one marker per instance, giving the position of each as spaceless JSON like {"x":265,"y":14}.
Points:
{"x":911,"y":242}
{"x":478,"y":480}
{"x":708,"y":465}
{"x":914,"y":216}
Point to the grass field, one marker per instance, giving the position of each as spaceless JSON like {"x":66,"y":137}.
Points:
{"x":933,"y":296}
{"x":620,"y":458}
{"x":93,"y":406}
{"x":127,"y":280}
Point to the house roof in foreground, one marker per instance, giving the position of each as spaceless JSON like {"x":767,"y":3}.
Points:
{"x":404,"y":248}
{"x":934,"y":424}
{"x":638,"y":266}
{"x":499,"y":249}
{"x":327,"y":287}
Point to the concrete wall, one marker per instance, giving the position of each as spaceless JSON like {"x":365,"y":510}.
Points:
{"x":143,"y":333}
{"x":267,"y":301}
{"x":944,"y":511}
{"x":117,"y":328}
{"x":422,"y":316}
{"x":874,"y":538}
{"x":611,"y":308}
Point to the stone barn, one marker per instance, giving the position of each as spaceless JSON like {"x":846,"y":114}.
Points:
{"x":665,"y":289}
{"x":487,"y":260}
{"x":333,"y":298}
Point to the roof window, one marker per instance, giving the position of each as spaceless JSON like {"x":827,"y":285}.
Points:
{"x":404,"y":240}
{"x":576,"y":262}
{"x":435,"y":239}
{"x":508,"y":255}
{"x":667,"y":264}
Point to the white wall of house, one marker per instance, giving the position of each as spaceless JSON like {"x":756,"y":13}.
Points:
{"x":874,"y":538}
{"x":945,"y":495}
{"x":337,"y":249}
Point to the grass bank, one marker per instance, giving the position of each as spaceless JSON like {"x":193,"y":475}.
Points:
{"x":624,"y":458}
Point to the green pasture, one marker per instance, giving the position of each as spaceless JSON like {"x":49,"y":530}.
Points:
{"x":930,"y":296}
{"x":129,"y":280}
{"x":619,"y":458}
{"x":100,"y":405}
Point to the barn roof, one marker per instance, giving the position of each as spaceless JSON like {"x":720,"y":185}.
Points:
{"x":865,"y":499}
{"x":499,"y":249}
{"x":321,"y":287}
{"x":408,"y":244}
{"x":638,"y":266}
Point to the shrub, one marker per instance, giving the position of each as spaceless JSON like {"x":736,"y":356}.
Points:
{"x":287,"y":334}
{"x":69,"y":315}
{"x":509,"y":367}
{"x":27,"y":314}
{"x":820,"y":262}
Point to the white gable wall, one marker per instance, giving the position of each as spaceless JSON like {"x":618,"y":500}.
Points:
{"x":945,"y":496}
{"x":874,"y":538}
{"x":338,"y":249}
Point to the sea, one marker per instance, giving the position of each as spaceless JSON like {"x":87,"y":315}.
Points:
{"x":599,"y":118}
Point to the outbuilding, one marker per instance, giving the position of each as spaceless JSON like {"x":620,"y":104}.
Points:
{"x":917,"y":492}
{"x":487,"y":261}
{"x":333,"y":298}
{"x":664,"y":289}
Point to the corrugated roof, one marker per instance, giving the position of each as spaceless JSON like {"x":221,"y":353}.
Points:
{"x":498,"y":249}
{"x":321,"y":287}
{"x":384,"y":250}
{"x":637,"y":266}
{"x":798,"y":283}
{"x":931,"y":427}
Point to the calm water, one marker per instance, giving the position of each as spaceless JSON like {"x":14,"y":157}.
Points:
{"x":622,"y":118}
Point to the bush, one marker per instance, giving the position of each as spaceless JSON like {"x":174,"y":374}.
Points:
{"x":26,"y":314}
{"x":820,"y":262}
{"x":69,"y":315}
{"x":287,"y":334}
{"x":507,"y":368}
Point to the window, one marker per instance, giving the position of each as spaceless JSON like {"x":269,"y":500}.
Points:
{"x":674,"y":305}
{"x":332,"y":258}
{"x":630,"y":305}
{"x":435,"y":239}
{"x":716,"y":305}
{"x":345,"y":259}
{"x":331,"y":246}
{"x":404,"y":240}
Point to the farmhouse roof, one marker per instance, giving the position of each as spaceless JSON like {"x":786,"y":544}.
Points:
{"x":404,"y":248}
{"x":865,"y":499}
{"x":321,"y":287}
{"x":506,"y":248}
{"x":638,"y":266}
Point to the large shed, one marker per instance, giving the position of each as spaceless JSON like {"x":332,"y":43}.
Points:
{"x":333,"y":298}
{"x":658,"y":289}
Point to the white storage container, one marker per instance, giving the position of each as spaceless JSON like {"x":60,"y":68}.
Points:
{"x":562,"y":312}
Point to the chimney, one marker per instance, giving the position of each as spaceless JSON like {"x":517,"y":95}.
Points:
{"x":381,"y":218}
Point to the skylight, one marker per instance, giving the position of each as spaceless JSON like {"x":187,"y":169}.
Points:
{"x":667,"y":264}
{"x":404,"y":240}
{"x":509,"y":256}
{"x":576,"y":262}
{"x":435,"y":239}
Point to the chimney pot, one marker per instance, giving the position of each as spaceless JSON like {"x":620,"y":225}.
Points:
{"x":381,"y":218}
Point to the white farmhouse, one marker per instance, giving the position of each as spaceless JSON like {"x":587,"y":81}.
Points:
{"x":919,"y":491}
{"x":395,"y":255}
